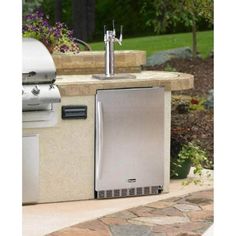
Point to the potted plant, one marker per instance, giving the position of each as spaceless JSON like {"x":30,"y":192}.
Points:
{"x":190,"y":155}
{"x":57,"y":38}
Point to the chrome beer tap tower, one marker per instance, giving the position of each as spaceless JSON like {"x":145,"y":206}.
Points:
{"x":109,"y":41}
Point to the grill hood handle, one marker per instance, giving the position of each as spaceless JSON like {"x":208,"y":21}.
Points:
{"x":29,"y":74}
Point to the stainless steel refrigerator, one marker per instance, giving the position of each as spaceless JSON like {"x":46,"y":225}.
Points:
{"x":129,"y":142}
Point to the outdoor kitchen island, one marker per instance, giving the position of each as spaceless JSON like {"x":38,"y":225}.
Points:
{"x":67,"y":150}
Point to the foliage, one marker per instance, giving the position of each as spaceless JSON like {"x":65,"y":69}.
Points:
{"x":193,"y":153}
{"x":187,"y":105}
{"x":30,"y":6}
{"x":197,"y":104}
{"x":129,"y":13}
{"x":169,"y":68}
{"x":56,"y":38}
{"x":163,"y":15}
{"x":48,"y":6}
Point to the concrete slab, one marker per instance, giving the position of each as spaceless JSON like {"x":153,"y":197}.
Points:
{"x":42,"y":219}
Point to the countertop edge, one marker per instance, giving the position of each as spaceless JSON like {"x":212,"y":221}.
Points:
{"x":78,"y":87}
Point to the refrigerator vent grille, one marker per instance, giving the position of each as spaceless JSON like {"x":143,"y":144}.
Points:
{"x":146,"y":190}
{"x":116,"y":193}
{"x":139,"y":191}
{"x":109,"y":193}
{"x":154,"y":189}
{"x":124,"y":192}
{"x":131,"y":191}
{"x":101,"y":194}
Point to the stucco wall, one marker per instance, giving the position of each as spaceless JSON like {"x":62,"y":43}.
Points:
{"x":67,"y":155}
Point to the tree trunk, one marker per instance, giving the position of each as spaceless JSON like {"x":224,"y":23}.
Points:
{"x":83,"y":12}
{"x":58,"y":10}
{"x":79,"y":19}
{"x":194,"y":35}
{"x":90,"y":17}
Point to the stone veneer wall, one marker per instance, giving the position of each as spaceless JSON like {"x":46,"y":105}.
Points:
{"x":92,"y":62}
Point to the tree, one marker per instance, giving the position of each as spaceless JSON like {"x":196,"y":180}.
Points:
{"x":83,"y":12}
{"x":58,"y":10}
{"x":30,"y":5}
{"x":163,"y":14}
{"x":127,"y":13}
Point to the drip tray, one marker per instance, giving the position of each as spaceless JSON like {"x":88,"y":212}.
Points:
{"x":116,"y":76}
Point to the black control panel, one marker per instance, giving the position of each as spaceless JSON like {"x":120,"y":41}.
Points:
{"x":74,"y":112}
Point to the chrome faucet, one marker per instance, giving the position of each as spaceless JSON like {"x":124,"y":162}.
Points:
{"x":109,"y":40}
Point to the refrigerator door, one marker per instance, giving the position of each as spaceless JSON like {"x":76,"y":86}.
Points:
{"x":129,"y":138}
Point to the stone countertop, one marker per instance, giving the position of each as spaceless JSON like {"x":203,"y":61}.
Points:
{"x":84,"y":85}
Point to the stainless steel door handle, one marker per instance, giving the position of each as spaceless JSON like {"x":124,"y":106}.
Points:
{"x":100,"y":140}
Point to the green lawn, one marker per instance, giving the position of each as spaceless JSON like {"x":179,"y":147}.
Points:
{"x":152,"y":44}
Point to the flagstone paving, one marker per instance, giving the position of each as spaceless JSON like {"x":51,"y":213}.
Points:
{"x":188,"y":215}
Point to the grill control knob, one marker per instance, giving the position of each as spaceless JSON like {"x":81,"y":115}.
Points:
{"x":51,"y":86}
{"x":35,"y":90}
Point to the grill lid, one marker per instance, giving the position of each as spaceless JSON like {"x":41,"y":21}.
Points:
{"x":38,"y":65}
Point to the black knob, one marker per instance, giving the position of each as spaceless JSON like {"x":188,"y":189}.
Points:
{"x":35,"y":90}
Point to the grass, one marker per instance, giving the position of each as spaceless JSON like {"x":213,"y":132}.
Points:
{"x":153,"y":44}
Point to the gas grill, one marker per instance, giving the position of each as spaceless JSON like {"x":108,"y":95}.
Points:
{"x":39,"y":94}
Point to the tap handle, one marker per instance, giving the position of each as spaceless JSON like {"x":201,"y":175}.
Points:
{"x":105,"y":36}
{"x":120,"y":37}
{"x":114,"y":31}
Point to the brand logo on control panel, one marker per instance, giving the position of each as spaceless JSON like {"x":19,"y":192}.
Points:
{"x":131,"y":180}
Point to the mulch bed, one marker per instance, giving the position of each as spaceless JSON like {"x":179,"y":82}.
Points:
{"x":194,"y":125}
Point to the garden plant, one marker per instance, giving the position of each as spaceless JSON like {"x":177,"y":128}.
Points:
{"x":191,"y":154}
{"x":57,"y":38}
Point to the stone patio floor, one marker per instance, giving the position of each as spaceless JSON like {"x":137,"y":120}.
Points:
{"x":186,"y":215}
